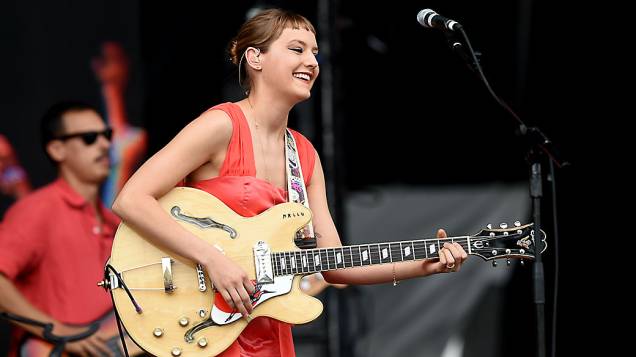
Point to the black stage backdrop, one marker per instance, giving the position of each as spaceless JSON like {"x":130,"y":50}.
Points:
{"x":408,"y":112}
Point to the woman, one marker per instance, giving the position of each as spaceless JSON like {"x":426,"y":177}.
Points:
{"x":235,"y":151}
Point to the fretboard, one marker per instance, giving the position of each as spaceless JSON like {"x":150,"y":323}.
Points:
{"x":308,"y":261}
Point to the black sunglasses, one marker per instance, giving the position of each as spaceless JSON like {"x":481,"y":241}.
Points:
{"x":88,"y":137}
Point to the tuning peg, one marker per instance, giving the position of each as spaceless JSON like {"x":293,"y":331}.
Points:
{"x":494,"y":263}
{"x":489,"y":226}
{"x":503,"y":225}
{"x":508,"y":261}
{"x":517,"y":224}
{"x":522,"y":262}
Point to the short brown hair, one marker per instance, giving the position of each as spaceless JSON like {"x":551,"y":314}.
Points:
{"x":260,"y":31}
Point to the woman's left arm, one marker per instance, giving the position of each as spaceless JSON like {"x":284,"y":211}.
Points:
{"x":451,"y":255}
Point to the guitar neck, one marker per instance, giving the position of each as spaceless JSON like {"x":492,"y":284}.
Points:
{"x":309,"y":261}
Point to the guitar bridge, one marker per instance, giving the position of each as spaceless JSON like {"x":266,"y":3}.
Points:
{"x":166,"y":267}
{"x":263,"y":263}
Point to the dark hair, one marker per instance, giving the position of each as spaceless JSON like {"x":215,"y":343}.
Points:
{"x":52,"y":125}
{"x":260,"y":31}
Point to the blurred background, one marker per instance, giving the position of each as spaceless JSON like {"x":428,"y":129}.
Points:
{"x":409,"y":136}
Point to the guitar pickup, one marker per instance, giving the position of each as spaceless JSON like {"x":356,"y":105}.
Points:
{"x":263,"y":263}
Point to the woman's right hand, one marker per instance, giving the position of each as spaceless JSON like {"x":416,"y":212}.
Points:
{"x":232,"y":282}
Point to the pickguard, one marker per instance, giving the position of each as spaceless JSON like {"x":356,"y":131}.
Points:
{"x":223,"y":314}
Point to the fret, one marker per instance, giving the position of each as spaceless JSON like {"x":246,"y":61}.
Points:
{"x":385,"y":253}
{"x":346,"y":252}
{"x":396,"y":252}
{"x":272,"y":259}
{"x":339,"y":258}
{"x":288,"y":263}
{"x":285,"y":263}
{"x":406,"y":250}
{"x":331,"y":259}
{"x":303,"y":257}
{"x":356,"y":256}
{"x":420,"y":250}
{"x":364,"y":255}
{"x":375,"y":253}
{"x":302,"y":262}
{"x":299,"y":261}
{"x":283,"y":266}
{"x":293,"y":262}
{"x":277,"y":263}
{"x":310,"y":260}
{"x":280,"y":267}
{"x":439,"y":246}
{"x":324,"y":259}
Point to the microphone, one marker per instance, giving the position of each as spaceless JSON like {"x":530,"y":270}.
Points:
{"x":430,"y":19}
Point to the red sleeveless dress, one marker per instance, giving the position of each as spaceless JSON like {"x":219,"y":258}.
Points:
{"x":238,"y":187}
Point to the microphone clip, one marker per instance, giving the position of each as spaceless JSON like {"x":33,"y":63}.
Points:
{"x":459,"y":49}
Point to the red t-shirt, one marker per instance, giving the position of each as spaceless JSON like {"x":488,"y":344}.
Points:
{"x":239,"y":188}
{"x":54,"y":249}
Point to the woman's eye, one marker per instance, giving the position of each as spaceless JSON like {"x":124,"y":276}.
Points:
{"x":297,"y":49}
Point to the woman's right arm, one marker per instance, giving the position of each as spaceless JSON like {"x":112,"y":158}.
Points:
{"x":202,"y":142}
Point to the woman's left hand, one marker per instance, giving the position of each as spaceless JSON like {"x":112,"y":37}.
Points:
{"x":451,"y":256}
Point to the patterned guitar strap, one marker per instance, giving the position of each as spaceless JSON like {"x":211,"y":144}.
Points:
{"x":297,"y":192}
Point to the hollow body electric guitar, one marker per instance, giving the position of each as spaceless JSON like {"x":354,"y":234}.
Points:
{"x":169,"y":307}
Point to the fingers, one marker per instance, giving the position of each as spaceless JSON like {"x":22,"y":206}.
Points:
{"x":238,"y":303}
{"x":441,"y":233}
{"x":237,"y":298}
{"x":91,"y":346}
{"x":453,"y":256}
{"x":448,"y":255}
{"x":100,"y":344}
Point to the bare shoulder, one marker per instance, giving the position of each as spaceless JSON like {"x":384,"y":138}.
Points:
{"x":216,"y":120}
{"x":211,"y":131}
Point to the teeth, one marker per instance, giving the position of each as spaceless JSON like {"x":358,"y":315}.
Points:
{"x":304,"y":76}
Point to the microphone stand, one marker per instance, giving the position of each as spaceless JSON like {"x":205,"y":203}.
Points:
{"x":59,"y":342}
{"x":539,"y":145}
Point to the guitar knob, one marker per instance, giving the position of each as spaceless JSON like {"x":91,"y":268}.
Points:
{"x":494,"y":263}
{"x":176,"y":351}
{"x":184,"y":321}
{"x":157,"y":332}
{"x":503,"y":225}
{"x":202,"y":342}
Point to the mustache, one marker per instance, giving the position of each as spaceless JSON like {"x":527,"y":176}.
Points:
{"x":103,"y":155}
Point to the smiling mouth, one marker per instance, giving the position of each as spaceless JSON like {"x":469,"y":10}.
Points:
{"x":302,"y":76}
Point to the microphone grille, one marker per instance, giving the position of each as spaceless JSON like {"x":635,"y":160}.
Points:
{"x":424,"y":16}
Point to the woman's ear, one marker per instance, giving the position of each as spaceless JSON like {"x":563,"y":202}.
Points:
{"x":253,"y":57}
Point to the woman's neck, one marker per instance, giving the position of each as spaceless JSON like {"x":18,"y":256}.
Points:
{"x":269,"y":114}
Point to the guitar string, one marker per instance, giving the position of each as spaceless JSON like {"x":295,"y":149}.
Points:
{"x":461,"y":240}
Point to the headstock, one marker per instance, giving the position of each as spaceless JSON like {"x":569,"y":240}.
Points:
{"x":516,"y":242}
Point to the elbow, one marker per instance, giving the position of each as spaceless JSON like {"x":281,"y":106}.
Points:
{"x":122,"y":204}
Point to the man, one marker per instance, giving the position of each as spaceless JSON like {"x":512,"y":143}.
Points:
{"x":54,"y":242}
